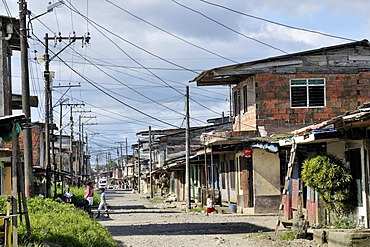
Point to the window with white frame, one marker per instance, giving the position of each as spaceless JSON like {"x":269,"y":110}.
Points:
{"x":307,"y":92}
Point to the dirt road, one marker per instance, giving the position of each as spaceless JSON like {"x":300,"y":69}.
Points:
{"x":136,"y":222}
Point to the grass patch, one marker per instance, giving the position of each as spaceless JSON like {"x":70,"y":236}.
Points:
{"x":288,"y":235}
{"x":343,"y":223}
{"x":198,"y":209}
{"x":156,"y":199}
{"x":60,"y":224}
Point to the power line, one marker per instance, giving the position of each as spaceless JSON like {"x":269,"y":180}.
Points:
{"x":277,"y":23}
{"x":171,"y":34}
{"x":229,"y":28}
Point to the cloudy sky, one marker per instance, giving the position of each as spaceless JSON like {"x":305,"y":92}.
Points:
{"x":142,"y":54}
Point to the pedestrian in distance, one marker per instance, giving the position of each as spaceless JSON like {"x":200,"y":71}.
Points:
{"x":103,"y":203}
{"x":210,"y":205}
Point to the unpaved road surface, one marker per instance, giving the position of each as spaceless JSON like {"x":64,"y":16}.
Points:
{"x":135,"y":222}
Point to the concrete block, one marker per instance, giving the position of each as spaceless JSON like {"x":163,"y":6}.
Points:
{"x":342,"y":237}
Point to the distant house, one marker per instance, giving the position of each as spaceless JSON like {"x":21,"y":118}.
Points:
{"x":169,"y":158}
{"x":272,"y":97}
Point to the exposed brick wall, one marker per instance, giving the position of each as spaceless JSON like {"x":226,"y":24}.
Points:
{"x":344,"y":92}
{"x":36,"y":144}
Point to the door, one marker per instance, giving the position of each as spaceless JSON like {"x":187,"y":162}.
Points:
{"x":357,"y":168}
{"x":246,"y":181}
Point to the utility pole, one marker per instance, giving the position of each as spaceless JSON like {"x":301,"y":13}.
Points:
{"x":80,"y":149}
{"x":126,"y":158}
{"x":87,"y":170}
{"x":48,"y":102}
{"x":71,"y":138}
{"x":47,"y":116}
{"x":138,"y":160}
{"x":97,"y":163}
{"x":48,"y":97}
{"x":26,"y":108}
{"x":133,"y":167}
{"x":187,"y":137}
{"x":120,"y":145}
{"x":61,"y":101}
{"x":82,"y":153}
{"x":150,"y":162}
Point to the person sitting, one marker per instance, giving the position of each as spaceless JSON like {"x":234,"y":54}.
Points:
{"x":209,"y":205}
{"x":88,"y":197}
{"x":68,"y":196}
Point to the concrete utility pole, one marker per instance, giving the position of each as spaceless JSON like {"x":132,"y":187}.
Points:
{"x":133,"y":167}
{"x":81,"y":146}
{"x":47,"y":116}
{"x":150,"y":162}
{"x":48,"y":98}
{"x":71,"y":138}
{"x":187,"y":167}
{"x":120,"y":145}
{"x":120,"y":156}
{"x":86,"y":167}
{"x":26,"y":108}
{"x":138,"y":160}
{"x":126,"y":158}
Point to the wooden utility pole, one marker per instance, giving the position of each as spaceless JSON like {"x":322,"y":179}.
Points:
{"x":26,"y":108}
{"x":187,"y":148}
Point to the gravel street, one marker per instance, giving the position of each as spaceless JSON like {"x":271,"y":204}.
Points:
{"x":136,"y":222}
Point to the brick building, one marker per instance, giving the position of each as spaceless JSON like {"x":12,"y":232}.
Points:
{"x":272,"y":97}
{"x":37,"y":144}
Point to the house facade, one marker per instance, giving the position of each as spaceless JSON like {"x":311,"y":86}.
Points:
{"x":346,"y":137}
{"x":272,"y":97}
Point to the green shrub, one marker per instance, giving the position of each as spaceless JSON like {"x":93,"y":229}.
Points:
{"x":62,"y":224}
{"x":331,"y":178}
{"x":78,"y":194}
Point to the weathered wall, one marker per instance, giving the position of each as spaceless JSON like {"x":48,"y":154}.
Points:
{"x":266,"y":172}
{"x":336,"y":148}
{"x":266,"y":181}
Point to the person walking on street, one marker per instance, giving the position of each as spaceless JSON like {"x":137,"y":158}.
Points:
{"x":103,"y":203}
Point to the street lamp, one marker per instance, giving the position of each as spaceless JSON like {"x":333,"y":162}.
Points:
{"x":54,"y":5}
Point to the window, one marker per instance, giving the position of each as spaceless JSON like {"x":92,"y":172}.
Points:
{"x":245,"y":98}
{"x":232,"y":174}
{"x":307,"y":92}
{"x":223,"y":172}
{"x":236,"y":96}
